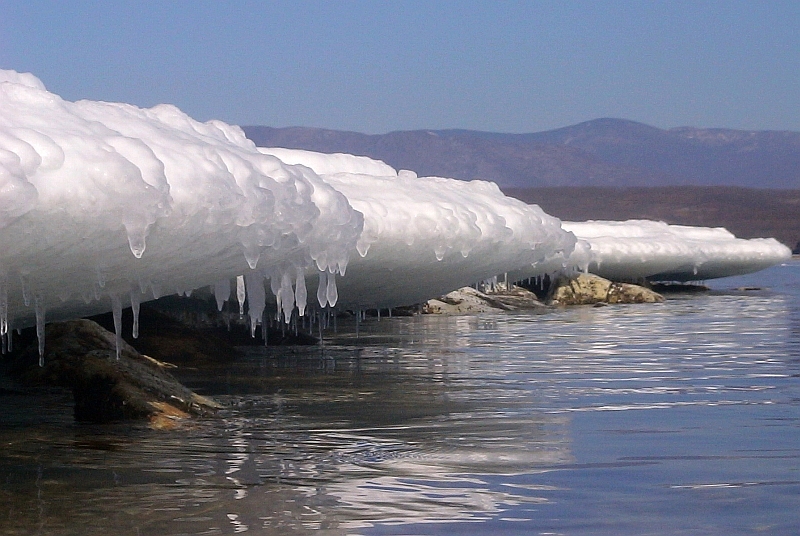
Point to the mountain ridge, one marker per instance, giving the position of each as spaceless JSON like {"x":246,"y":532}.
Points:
{"x":604,"y":152}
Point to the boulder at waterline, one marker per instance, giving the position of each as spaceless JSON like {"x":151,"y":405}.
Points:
{"x":587,"y":289}
{"x":469,"y":300}
{"x":82,"y":356}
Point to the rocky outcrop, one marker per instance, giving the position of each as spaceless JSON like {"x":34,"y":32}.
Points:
{"x":82,"y":356}
{"x":587,"y":289}
{"x":469,"y":300}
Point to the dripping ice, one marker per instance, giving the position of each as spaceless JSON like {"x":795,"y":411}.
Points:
{"x":159,"y":201}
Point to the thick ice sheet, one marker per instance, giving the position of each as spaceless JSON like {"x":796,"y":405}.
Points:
{"x":425,"y":234}
{"x":641,"y":249}
{"x":106,"y":204}
{"x":102,"y":204}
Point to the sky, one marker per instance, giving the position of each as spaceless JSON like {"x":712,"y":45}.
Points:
{"x":380,"y":66}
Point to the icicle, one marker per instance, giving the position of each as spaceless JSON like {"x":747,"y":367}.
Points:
{"x":136,"y":239}
{"x":135,"y":302}
{"x":3,"y":309}
{"x":332,"y":292}
{"x":222,"y":292}
{"x":39,"y":309}
{"x":241,"y":294}
{"x":275,"y":282}
{"x":287,"y":296}
{"x":264,"y":328}
{"x":251,"y":255}
{"x":322,"y":290}
{"x":256,"y":298}
{"x":358,"y":321}
{"x":116,"y":311}
{"x":363,"y":248}
{"x":300,"y":293}
{"x":26,"y":298}
{"x":379,"y":314}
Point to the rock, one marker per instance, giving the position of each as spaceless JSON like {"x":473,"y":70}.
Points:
{"x":679,"y":288}
{"x":587,"y":289}
{"x":516,"y":298}
{"x":469,"y":300}
{"x":81,"y":355}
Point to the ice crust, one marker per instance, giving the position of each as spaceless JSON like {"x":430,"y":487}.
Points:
{"x":105,"y":205}
{"x":103,"y":201}
{"x":425,"y":234}
{"x":642,"y":249}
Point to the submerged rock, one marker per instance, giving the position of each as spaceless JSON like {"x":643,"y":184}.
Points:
{"x":588,"y":289}
{"x":82,"y":356}
{"x":470,"y":300}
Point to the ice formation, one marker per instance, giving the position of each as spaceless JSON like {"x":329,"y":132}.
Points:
{"x":425,"y":234}
{"x":640,"y":249}
{"x":105,"y":205}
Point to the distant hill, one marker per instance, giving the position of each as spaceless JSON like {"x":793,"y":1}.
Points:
{"x":599,"y":153}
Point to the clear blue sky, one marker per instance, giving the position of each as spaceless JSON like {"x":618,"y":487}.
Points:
{"x":377,"y":66}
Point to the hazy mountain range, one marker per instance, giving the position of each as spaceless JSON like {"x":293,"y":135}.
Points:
{"x":606,"y":169}
{"x":598,"y":153}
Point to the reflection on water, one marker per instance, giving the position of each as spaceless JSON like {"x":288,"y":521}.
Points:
{"x":679,"y":417}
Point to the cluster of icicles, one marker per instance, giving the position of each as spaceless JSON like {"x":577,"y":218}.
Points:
{"x":288,"y":287}
{"x":250,"y":287}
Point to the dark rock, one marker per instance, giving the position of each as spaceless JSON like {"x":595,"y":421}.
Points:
{"x":678,"y":288}
{"x":82,"y":356}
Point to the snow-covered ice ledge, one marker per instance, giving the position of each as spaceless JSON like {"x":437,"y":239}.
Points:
{"x":635,"y":250}
{"x":104,"y":205}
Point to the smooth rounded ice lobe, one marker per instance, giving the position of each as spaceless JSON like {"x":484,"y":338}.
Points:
{"x":424,"y":236}
{"x":641,"y":249}
{"x":106,"y":199}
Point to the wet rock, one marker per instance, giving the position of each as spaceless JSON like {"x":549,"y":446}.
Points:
{"x":82,"y":356}
{"x":588,"y":289}
{"x":468,"y":300}
{"x":679,"y":288}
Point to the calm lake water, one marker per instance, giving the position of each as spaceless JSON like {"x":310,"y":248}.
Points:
{"x":675,"y":418}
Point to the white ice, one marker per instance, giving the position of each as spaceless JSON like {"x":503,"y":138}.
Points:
{"x":641,"y":249}
{"x":424,"y":234}
{"x":103,"y":205}
{"x":103,"y":201}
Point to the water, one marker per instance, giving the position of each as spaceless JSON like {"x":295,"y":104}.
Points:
{"x":675,"y":418}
